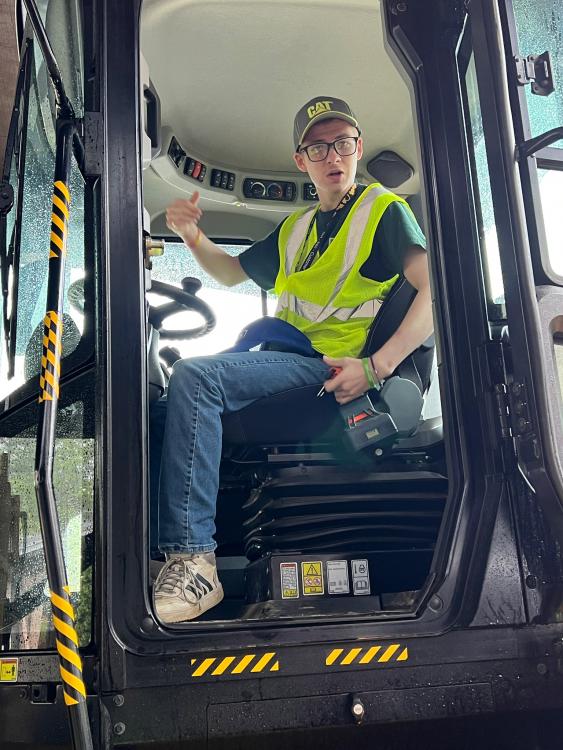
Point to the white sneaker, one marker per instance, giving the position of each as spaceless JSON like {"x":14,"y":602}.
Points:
{"x":186,"y":587}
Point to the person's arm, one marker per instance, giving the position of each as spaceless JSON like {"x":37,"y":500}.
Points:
{"x":416,"y":327}
{"x":182,"y":217}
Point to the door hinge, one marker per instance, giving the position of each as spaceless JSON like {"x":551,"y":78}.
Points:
{"x":536,"y":70}
{"x":507,"y":446}
{"x":520,"y":420}
{"x":503,"y":410}
{"x":512,"y":410}
{"x":519,"y":444}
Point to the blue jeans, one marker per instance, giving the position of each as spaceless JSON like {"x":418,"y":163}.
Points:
{"x":186,"y":435}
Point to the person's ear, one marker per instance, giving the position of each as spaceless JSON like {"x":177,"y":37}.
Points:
{"x":360,"y":149}
{"x":299,"y":159}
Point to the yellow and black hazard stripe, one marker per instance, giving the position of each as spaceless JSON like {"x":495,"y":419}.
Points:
{"x":51,"y":357}
{"x":235,"y":665}
{"x":67,"y":646}
{"x":377,"y":654}
{"x":59,"y":219}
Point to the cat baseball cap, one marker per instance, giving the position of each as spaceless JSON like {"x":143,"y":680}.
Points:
{"x":317,"y":109}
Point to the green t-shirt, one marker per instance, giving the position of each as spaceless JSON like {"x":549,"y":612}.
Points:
{"x":396,"y":232}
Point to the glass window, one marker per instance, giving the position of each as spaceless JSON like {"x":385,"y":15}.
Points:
{"x":539,"y":26}
{"x":483,"y":194}
{"x":551,"y":191}
{"x":38,"y":176}
{"x":62,"y":22}
{"x":234,"y":307}
{"x":25,"y":611}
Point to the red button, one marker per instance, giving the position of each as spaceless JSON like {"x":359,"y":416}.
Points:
{"x":197,"y":170}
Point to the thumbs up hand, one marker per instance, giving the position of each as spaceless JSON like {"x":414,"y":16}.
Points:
{"x":183,"y":216}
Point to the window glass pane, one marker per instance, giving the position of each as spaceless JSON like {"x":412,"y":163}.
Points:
{"x":551,"y":190}
{"x":25,"y":612}
{"x":35,"y":232}
{"x":483,"y":194}
{"x":539,"y":25}
{"x":234,"y":307}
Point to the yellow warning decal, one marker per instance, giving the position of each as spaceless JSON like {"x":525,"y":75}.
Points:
{"x":312,"y":577}
{"x":225,"y":665}
{"x":380,"y":653}
{"x":8,"y":670}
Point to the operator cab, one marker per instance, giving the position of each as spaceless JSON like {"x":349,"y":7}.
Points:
{"x":306,"y":524}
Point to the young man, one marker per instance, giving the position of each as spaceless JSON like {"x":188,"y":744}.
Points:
{"x":331,"y":266}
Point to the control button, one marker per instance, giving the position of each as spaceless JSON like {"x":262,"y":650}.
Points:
{"x":275,"y":191}
{"x":224,"y":180}
{"x":231,"y":182}
{"x":202,"y":173}
{"x":258,"y":190}
{"x":196,"y":170}
{"x":176,"y":152}
{"x":189,"y":167}
{"x":309,"y":192}
{"x":216,"y":178}
{"x":289,"y":191}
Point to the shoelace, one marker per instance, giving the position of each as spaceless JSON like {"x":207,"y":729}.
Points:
{"x":180,"y":580}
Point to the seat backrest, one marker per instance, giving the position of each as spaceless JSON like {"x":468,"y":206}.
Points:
{"x":418,"y":366}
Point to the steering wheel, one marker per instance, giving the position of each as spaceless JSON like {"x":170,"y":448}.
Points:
{"x":181,"y":299}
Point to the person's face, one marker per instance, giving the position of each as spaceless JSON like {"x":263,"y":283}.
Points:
{"x":336,"y":173}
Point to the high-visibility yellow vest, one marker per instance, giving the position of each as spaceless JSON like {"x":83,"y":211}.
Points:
{"x":329,"y":301}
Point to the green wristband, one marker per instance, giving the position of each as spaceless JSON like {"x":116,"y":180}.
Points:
{"x":368,"y":372}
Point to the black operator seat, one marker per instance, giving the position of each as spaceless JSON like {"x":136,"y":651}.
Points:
{"x":297,"y":416}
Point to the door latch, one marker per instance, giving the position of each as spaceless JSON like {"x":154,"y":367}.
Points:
{"x":536,"y":70}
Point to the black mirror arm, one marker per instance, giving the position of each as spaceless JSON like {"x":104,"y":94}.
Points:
{"x":533,"y":145}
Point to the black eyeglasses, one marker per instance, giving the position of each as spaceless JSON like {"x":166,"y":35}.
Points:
{"x":343,"y":147}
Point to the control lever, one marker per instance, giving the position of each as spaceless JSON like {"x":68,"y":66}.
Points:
{"x":393,"y":413}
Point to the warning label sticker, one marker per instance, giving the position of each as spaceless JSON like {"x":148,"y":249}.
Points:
{"x":312,"y":577}
{"x":289,"y":581}
{"x":360,"y":577}
{"x":337,"y":577}
{"x":8,"y":670}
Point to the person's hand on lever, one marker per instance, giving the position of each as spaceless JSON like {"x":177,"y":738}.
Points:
{"x":182,"y":217}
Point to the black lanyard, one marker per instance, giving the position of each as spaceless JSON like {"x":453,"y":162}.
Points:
{"x":325,"y":234}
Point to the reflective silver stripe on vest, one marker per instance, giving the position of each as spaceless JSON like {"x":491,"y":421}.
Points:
{"x":296,"y":237}
{"x":318,"y":313}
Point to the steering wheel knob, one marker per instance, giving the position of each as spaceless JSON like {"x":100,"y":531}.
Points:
{"x":191,"y":285}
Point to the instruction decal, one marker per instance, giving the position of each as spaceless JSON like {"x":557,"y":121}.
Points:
{"x":360,"y":577}
{"x":312,"y":577}
{"x":8,"y":670}
{"x":337,"y":577}
{"x":289,"y":581}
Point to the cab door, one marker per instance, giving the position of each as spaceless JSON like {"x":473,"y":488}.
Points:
{"x":522,"y":126}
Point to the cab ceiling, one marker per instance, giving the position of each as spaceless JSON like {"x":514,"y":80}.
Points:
{"x":231,"y":75}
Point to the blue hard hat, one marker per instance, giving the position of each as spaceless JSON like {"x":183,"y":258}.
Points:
{"x":274,"y":334}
